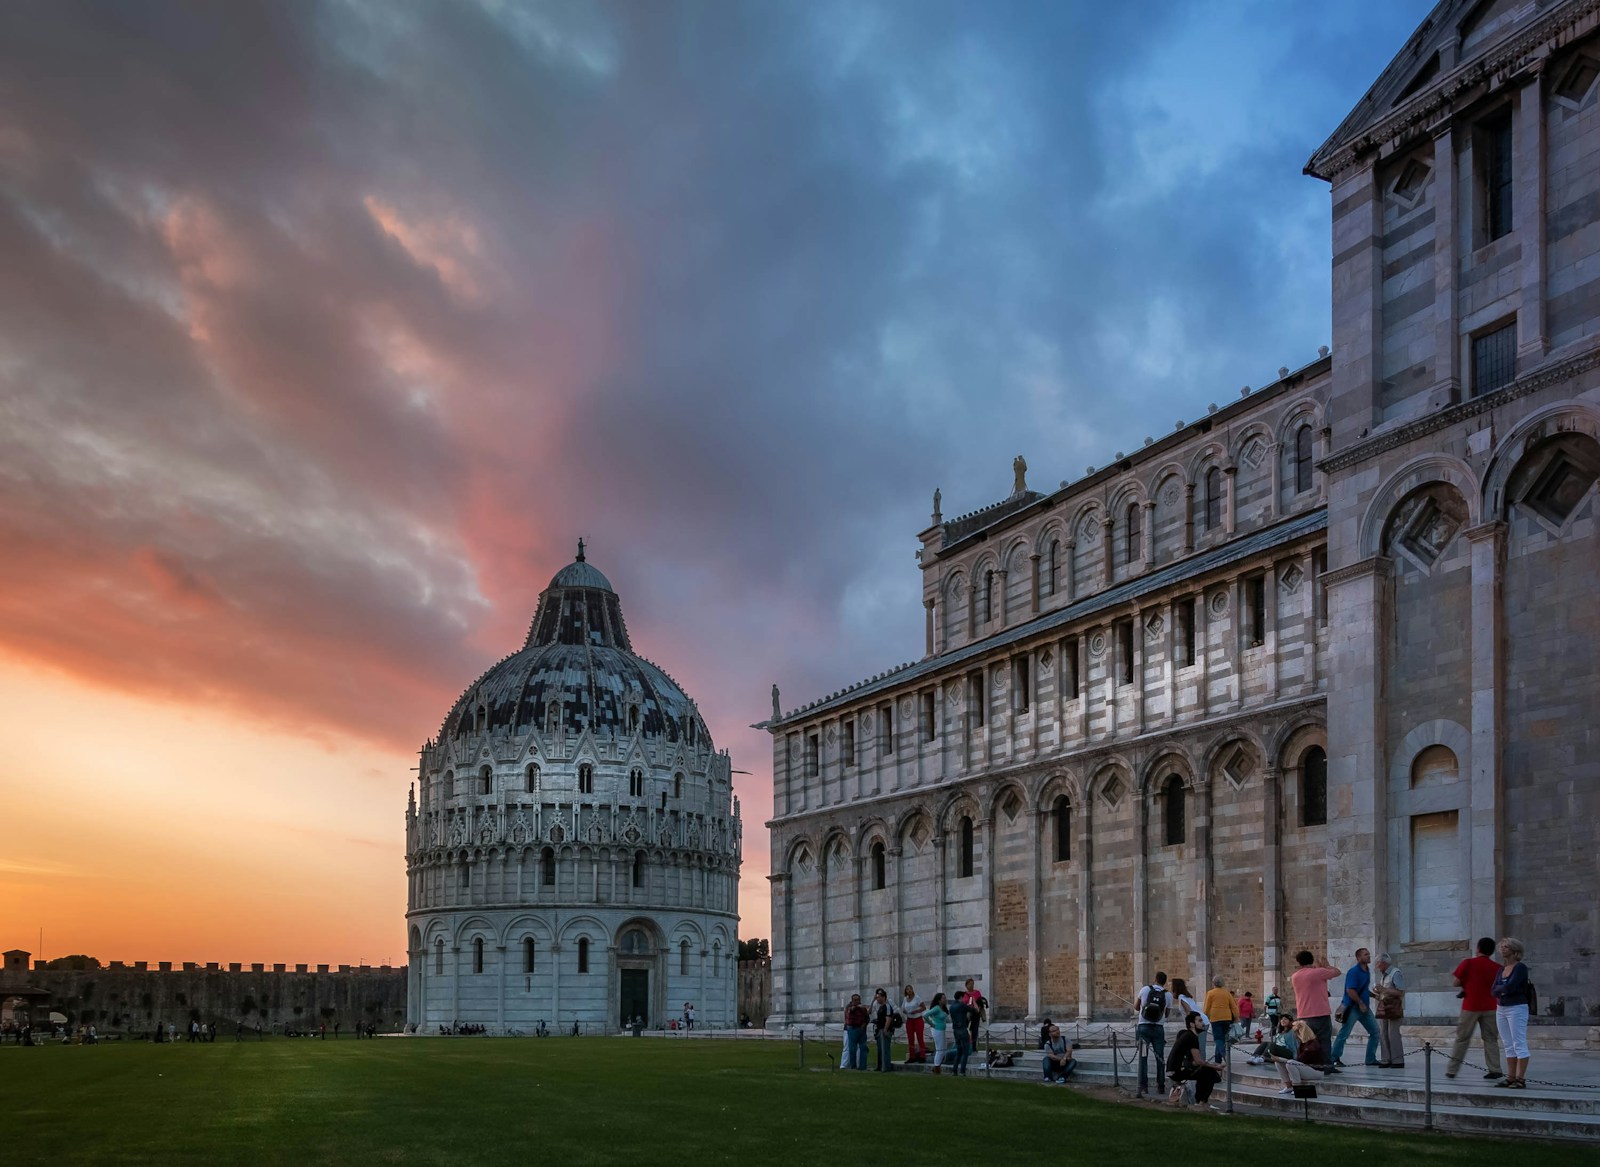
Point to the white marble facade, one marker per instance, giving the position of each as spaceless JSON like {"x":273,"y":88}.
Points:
{"x":573,"y":851}
{"x":1315,"y":670}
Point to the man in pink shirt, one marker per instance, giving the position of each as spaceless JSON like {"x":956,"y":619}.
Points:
{"x":1310,"y":983}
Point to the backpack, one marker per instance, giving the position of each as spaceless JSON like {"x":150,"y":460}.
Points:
{"x":895,"y":1019}
{"x":1533,"y":1000}
{"x":1155,"y":1004}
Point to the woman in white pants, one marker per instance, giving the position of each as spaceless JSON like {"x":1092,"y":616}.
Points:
{"x":1306,"y":1065}
{"x":1512,"y":993}
{"x":938,"y":1019}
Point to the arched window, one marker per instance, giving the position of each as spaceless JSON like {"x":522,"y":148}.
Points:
{"x":683,"y":958}
{"x":677,"y":786}
{"x":466,"y":877}
{"x":636,"y":783}
{"x":547,"y":867}
{"x":1172,"y":810}
{"x":633,"y":719}
{"x":1061,"y":814}
{"x":527,"y":954}
{"x":716,"y":958}
{"x":878,"y":865}
{"x":477,"y":955}
{"x":481,"y":722}
{"x":1052,"y":559}
{"x":988,"y":596}
{"x":583,"y":954}
{"x":1314,"y":787}
{"x":964,"y":868}
{"x":1302,"y":460}
{"x":585,"y":779}
{"x":1131,"y":534}
{"x":438,"y":957}
{"x":533,"y":778}
{"x":449,"y":783}
{"x":638,"y":869}
{"x":1213,"y":499}
{"x":486,"y":776}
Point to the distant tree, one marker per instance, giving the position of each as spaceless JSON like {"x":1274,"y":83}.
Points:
{"x":76,"y":961}
{"x":754,"y":950}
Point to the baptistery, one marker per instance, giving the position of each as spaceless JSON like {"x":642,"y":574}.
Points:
{"x":572,"y":843}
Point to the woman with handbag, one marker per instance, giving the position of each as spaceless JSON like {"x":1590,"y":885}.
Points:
{"x":1389,"y":1006}
{"x":1514,"y":993}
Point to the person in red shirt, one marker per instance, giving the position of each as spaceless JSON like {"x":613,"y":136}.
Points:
{"x":1474,"y":976}
{"x":1310,"y":983}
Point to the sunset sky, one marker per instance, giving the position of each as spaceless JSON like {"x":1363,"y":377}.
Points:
{"x":327,"y":328}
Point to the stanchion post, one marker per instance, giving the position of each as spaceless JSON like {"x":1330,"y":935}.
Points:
{"x":1427,"y":1086}
{"x":1227,"y":1068}
{"x":1116,"y":1070}
{"x":802,"y":1049}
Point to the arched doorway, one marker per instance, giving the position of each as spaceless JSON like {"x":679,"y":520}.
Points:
{"x":638,"y":982}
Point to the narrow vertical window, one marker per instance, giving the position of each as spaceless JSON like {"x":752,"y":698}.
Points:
{"x":635,"y":783}
{"x":677,"y":786}
{"x":547,"y":867}
{"x":585,"y":779}
{"x":583,"y":954}
{"x":979,"y":702}
{"x":527,"y":954}
{"x":930,"y":723}
{"x":438,"y":958}
{"x":886,"y":730}
{"x":638,"y":869}
{"x":1255,"y":588}
{"x":1132,"y":534}
{"x":477,"y":955}
{"x":1213,"y":499}
{"x":683,"y":958}
{"x":1314,"y":788}
{"x":1069,"y":666}
{"x":1186,"y":635}
{"x":1303,"y":466}
{"x":847,"y":751}
{"x":1023,"y":677}
{"x":964,"y":869}
{"x":1319,"y":586}
{"x":988,"y":596}
{"x":1051,"y":567}
{"x":1061,"y":820}
{"x":533,"y":778}
{"x":813,"y":762}
{"x":466,"y":877}
{"x":486,"y":775}
{"x":1496,"y":174}
{"x":1125,"y":650}
{"x":878,"y":873}
{"x":1172,"y":811}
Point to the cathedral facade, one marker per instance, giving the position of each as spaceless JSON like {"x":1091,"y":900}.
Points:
{"x":573,"y":846}
{"x":1315,"y":670}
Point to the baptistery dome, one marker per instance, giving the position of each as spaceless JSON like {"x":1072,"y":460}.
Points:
{"x":573,"y":843}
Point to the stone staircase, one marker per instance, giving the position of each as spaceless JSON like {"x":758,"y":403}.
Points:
{"x":1397,"y":1099}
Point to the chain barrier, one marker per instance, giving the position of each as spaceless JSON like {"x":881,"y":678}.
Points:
{"x":1530,"y":1081}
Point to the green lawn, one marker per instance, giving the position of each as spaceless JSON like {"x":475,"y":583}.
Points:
{"x":613,"y":1100}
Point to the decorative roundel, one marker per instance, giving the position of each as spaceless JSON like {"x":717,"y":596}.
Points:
{"x":906,"y":707}
{"x":999,"y":681}
{"x":1169,"y":494}
{"x":1219,"y":603}
{"x":1097,"y":644}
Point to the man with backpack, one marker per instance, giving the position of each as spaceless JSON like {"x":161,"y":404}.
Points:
{"x":885,"y":1020}
{"x":1150,"y":1031}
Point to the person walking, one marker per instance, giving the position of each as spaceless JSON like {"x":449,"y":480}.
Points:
{"x":1389,"y":1006}
{"x":1186,"y":1063}
{"x":1357,"y":1005}
{"x":1274,"y":1009}
{"x":1309,"y":1062}
{"x":1247,"y":1011}
{"x":1222,"y":1011}
{"x":938,"y":1019}
{"x":1310,"y":985}
{"x":1475,"y":977}
{"x":1514,"y":993}
{"x":883,"y":1016}
{"x":1150,"y":1032}
{"x":916,"y":1030}
{"x":855,"y":1034}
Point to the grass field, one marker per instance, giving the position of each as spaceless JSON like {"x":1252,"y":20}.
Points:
{"x":612,"y":1100}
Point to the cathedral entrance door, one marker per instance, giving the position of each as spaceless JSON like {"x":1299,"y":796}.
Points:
{"x":635,"y":995}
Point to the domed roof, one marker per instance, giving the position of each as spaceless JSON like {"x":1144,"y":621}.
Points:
{"x":577,"y":669}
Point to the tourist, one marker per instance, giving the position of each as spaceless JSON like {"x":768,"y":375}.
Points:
{"x":883,"y":1016}
{"x":1150,"y":1032}
{"x":1189,"y":1006}
{"x":1308,"y":1063}
{"x":938,"y":1019}
{"x":694,"y":1015}
{"x":1058,"y":1060}
{"x":1280,"y":1043}
{"x":1514,"y":992}
{"x":962,"y":1014}
{"x":1389,"y":1006}
{"x":1044,"y":1031}
{"x":1186,"y":1063}
{"x":916,"y":1032}
{"x":1222,"y":1011}
{"x":1310,"y":985}
{"x":1474,"y":977}
{"x":1274,"y":1009}
{"x":1247,"y":1012}
{"x":1357,"y":1006}
{"x":979,"y":1004}
{"x":855,"y":1033}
